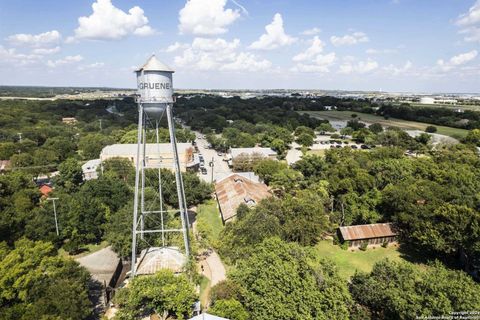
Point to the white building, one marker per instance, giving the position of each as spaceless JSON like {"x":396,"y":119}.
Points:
{"x":157,"y":155}
{"x":90,"y":169}
{"x":264,"y":152}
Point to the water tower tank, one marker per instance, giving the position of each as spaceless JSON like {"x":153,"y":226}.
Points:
{"x":155,"y":87}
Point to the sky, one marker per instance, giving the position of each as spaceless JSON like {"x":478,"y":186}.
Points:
{"x":389,"y":45}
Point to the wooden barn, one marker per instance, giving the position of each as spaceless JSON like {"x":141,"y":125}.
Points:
{"x":372,"y":234}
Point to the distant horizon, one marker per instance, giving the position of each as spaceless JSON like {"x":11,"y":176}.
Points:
{"x":250,"y":89}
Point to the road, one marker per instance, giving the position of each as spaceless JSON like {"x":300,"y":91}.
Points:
{"x":220,"y":168}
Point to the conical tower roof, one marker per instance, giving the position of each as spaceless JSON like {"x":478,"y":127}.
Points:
{"x":153,"y":64}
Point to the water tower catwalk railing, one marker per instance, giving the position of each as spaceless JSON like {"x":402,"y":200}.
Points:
{"x":154,"y":101}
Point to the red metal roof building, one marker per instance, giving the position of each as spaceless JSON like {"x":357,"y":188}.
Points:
{"x":237,"y":189}
{"x":45,"y":190}
{"x":376,"y":233}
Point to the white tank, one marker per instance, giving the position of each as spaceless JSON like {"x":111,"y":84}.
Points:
{"x":154,"y":86}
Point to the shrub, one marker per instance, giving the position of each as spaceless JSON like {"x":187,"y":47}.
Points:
{"x":385,"y":244}
{"x":431,"y":129}
{"x":363,"y":246}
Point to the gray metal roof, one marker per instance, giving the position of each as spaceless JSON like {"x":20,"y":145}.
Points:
{"x":122,"y":149}
{"x":101,"y":264}
{"x":153,"y":64}
{"x":266,"y":152}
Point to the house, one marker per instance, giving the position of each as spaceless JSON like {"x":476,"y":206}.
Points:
{"x":236,"y":189}
{"x":69,"y":120}
{"x":105,"y":268}
{"x":157,"y":155}
{"x":372,"y":234}
{"x":45,"y":190}
{"x":90,"y":169}
{"x":4,"y":165}
{"x":264,"y":152}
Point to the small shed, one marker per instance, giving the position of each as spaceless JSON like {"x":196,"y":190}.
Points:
{"x":206,"y":316}
{"x":157,"y":258}
{"x":372,"y":234}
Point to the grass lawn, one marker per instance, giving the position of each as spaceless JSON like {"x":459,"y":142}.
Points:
{"x":348,"y":261}
{"x":317,"y":152}
{"x":209,"y":220}
{"x":335,"y":115}
{"x":204,"y":291}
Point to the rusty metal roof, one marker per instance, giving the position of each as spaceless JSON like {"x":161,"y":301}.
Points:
{"x":367,"y":231}
{"x":235,"y":190}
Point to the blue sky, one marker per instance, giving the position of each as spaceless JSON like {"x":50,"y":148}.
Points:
{"x":391,"y":45}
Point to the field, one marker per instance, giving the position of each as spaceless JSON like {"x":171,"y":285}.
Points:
{"x":209,"y":222}
{"x":348,"y":262}
{"x":391,"y":122}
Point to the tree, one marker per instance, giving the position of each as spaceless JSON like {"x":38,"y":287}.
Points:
{"x":164,"y":294}
{"x":347,"y":131}
{"x":230,"y":309}
{"x":70,"y":175}
{"x":395,"y":290}
{"x":305,"y":140}
{"x":266,"y":168}
{"x":473,"y":137}
{"x":33,"y":277}
{"x":375,"y":128}
{"x":355,"y":124}
{"x":92,"y":144}
{"x":301,"y":130}
{"x":431,"y":129}
{"x":279,"y":146}
{"x":279,"y":282}
{"x":325,"y":127}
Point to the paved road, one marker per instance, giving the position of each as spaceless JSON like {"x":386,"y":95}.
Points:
{"x":220,"y":169}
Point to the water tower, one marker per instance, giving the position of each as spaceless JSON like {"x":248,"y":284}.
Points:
{"x":151,"y":218}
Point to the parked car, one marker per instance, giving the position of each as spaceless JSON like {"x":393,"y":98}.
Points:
{"x":364,"y":146}
{"x":354,"y":146}
{"x":203,"y":170}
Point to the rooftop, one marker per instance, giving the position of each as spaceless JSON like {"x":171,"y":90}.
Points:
{"x":151,"y":148}
{"x":367,"y":231}
{"x":237,"y":189}
{"x":206,"y":316}
{"x":266,"y":152}
{"x":153,"y":64}
{"x":101,"y":264}
{"x":156,"y":258}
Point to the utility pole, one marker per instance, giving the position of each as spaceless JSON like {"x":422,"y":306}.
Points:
{"x":212,"y":164}
{"x":54,"y":213}
{"x":20,"y":136}
{"x":100,"y":124}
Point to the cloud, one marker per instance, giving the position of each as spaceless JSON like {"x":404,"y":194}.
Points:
{"x":176,"y":46}
{"x":311,"y":32}
{"x":470,"y":23}
{"x":107,"y":22}
{"x":274,"y":37}
{"x":394,"y":70}
{"x":206,"y":17}
{"x":12,"y":57}
{"x":64,"y":61}
{"x":35,"y":40}
{"x":46,"y":51}
{"x":314,"y":49}
{"x":372,"y":51}
{"x":359,"y":67}
{"x":457,"y":60}
{"x":320,"y":64}
{"x":218,"y":54}
{"x":349,"y":39}
{"x":92,"y":66}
